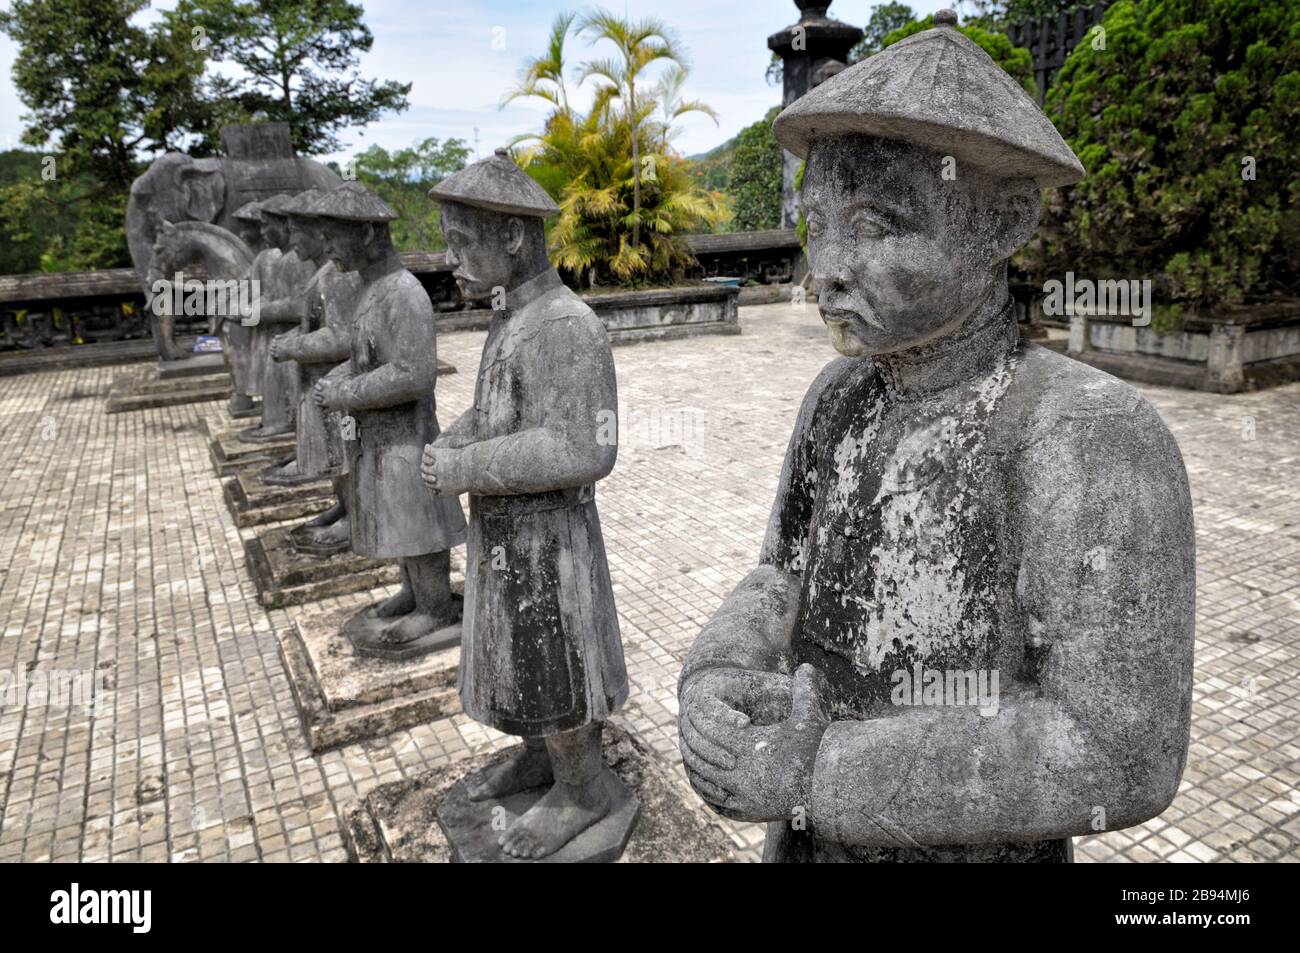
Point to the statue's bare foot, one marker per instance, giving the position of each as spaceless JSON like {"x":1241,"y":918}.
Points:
{"x":400,"y":603}
{"x":530,"y":768}
{"x":564,"y":812}
{"x":327,"y":518}
{"x":408,"y":628}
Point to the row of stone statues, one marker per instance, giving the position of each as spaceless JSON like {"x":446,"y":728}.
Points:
{"x":952,"y":500}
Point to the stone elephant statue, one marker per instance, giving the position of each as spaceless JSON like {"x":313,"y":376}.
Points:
{"x":259,"y":163}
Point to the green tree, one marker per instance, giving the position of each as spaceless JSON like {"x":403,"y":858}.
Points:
{"x":885,"y":19}
{"x":403,"y":179}
{"x":100,"y":91}
{"x":298,"y":63}
{"x":543,"y":76}
{"x":586,"y":163}
{"x":755,"y":183}
{"x":1187,"y":122}
{"x":673,"y":105}
{"x":639,"y":43}
{"x":610,"y":169}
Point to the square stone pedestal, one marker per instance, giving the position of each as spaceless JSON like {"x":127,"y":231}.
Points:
{"x":229,"y":453}
{"x":343,"y":699}
{"x":140,"y":388}
{"x":286,"y":577}
{"x":399,"y":822}
{"x":196,"y":365}
{"x":254,"y":503}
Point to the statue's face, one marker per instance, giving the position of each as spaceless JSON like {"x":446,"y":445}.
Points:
{"x":305,"y":238}
{"x":900,"y":254}
{"x":344,"y":243}
{"x":275,"y":231}
{"x":477,"y":243}
{"x":250,"y":232}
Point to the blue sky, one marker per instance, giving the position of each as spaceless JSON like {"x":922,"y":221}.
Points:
{"x":447,"y":51}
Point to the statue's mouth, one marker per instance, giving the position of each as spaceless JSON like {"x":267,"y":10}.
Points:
{"x":842,"y":317}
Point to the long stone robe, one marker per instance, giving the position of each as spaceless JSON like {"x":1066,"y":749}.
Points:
{"x":389,"y":392}
{"x":1024,"y":515}
{"x":541,"y":651}
{"x":327,"y":337}
{"x":278,"y":275}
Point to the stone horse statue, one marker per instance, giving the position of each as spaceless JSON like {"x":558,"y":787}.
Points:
{"x":223,"y":256}
{"x":259,"y":162}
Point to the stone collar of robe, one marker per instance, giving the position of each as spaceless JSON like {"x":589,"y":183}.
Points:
{"x":531,"y":290}
{"x":962,"y":357}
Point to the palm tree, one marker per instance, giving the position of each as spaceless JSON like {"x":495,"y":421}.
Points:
{"x":669,"y":95}
{"x":543,"y":76}
{"x":639,"y":44}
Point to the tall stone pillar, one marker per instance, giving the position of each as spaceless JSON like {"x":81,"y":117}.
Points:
{"x":811,"y":50}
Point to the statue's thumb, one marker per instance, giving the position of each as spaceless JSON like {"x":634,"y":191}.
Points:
{"x":809,"y":695}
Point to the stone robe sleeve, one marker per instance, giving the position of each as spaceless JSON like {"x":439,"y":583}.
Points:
{"x":459,"y":432}
{"x":1093,"y":735}
{"x":752,"y":629}
{"x":407,"y":352}
{"x":322,"y":346}
{"x":578,"y":400}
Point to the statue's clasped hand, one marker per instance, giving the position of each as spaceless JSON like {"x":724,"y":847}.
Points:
{"x":749,"y":740}
{"x":438,"y":469}
{"x":282,"y":347}
{"x":329,"y":394}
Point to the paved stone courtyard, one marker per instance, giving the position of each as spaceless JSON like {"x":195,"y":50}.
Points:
{"x":119,"y":558}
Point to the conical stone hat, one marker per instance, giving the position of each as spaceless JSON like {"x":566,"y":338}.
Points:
{"x":353,"y":202}
{"x":496,"y":184}
{"x":276,"y":205}
{"x":248,"y":212}
{"x":303,"y":205}
{"x":939,"y":90}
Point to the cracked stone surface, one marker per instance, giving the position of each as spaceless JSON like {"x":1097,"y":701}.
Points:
{"x":119,"y":562}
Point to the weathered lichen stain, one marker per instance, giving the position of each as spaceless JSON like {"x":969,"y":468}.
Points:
{"x":924,"y":602}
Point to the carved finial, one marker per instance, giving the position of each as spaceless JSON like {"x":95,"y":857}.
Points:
{"x":502,"y":151}
{"x":945,"y":18}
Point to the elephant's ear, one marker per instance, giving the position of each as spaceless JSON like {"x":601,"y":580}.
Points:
{"x":203,"y":194}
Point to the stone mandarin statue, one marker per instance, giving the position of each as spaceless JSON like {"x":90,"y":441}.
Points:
{"x":325,"y":310}
{"x":281,"y":274}
{"x":384,"y":394}
{"x":541,"y":654}
{"x":952,"y":501}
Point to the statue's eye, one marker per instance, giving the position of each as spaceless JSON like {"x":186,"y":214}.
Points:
{"x":869,"y":225}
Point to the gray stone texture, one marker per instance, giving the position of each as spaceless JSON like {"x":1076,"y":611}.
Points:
{"x":952,"y":499}
{"x":117,"y":556}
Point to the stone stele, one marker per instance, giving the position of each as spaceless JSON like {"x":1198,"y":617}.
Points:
{"x":969,"y":636}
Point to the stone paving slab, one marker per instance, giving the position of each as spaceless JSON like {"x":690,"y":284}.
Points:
{"x":120,"y":561}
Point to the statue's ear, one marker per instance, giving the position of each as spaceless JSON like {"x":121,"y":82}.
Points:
{"x":1018,"y":218}
{"x":515,"y":235}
